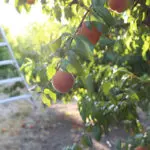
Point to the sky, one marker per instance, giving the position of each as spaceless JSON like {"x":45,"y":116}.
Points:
{"x":17,"y":22}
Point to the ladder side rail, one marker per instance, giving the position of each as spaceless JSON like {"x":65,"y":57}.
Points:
{"x":13,"y":57}
{"x":17,"y":66}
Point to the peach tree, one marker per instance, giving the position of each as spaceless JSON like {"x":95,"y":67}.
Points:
{"x":105,"y":46}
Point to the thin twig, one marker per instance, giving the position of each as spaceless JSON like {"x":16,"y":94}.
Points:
{"x":83,"y":18}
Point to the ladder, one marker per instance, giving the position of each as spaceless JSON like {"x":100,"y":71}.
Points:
{"x":21,"y":78}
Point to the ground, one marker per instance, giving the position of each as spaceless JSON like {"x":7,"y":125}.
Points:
{"x":25,"y":128}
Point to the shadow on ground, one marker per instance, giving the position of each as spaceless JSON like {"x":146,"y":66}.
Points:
{"x":46,"y":129}
{"x":42,"y":129}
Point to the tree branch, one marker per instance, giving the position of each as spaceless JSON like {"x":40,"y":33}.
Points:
{"x":83,"y":18}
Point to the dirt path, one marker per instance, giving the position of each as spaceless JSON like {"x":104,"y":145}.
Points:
{"x":46,"y":129}
{"x":51,"y":129}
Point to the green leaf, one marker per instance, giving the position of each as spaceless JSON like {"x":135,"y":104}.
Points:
{"x":28,"y":63}
{"x":16,"y":3}
{"x":86,"y":141}
{"x":96,"y":133}
{"x":106,"y":86}
{"x":88,"y":24}
{"x":19,"y":8}
{"x":148,"y":3}
{"x":97,"y":3}
{"x":76,"y":147}
{"x":89,"y":84}
{"x":83,"y":48}
{"x":50,"y":71}
{"x":19,"y":3}
{"x":42,"y":74}
{"x":68,"y":12}
{"x":100,"y":26}
{"x":73,"y":147}
{"x":27,"y":7}
{"x":55,"y":44}
{"x":132,"y":94}
{"x":146,"y":47}
{"x":103,"y":13}
{"x":64,"y":64}
{"x":106,"y":42}
{"x":123,"y":70}
{"x":58,"y":13}
{"x":118,"y":145}
{"x":51,"y":94}
{"x":6,"y":1}
{"x":45,"y":100}
{"x":72,"y":59}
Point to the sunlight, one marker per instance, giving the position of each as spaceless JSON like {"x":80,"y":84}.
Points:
{"x":16,"y":22}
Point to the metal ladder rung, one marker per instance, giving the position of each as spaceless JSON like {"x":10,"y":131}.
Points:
{"x":11,"y":80}
{"x":25,"y":96}
{"x":3,"y":44}
{"x":6,"y":62}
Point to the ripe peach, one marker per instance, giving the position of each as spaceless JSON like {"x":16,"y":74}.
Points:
{"x":119,"y":5}
{"x":141,"y":148}
{"x":92,"y":34}
{"x":30,"y":1}
{"x":62,"y":81}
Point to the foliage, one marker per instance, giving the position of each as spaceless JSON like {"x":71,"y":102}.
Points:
{"x":5,"y":71}
{"x":140,"y":139}
{"x":73,"y":147}
{"x":112,"y":77}
{"x":8,"y":71}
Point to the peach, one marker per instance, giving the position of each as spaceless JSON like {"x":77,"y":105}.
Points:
{"x":92,"y":34}
{"x":62,"y":81}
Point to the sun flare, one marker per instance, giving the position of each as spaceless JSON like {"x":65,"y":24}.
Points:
{"x":16,"y":22}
